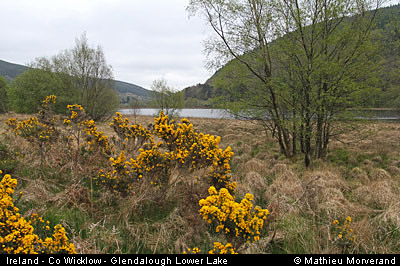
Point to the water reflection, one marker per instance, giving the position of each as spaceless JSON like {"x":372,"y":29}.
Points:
{"x":372,"y":114}
{"x":200,"y":113}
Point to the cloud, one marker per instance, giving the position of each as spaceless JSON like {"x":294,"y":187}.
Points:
{"x":142,"y":40}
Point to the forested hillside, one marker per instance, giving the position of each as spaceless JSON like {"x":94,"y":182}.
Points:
{"x":379,"y":87}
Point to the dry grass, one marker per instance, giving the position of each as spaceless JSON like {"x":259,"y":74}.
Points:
{"x":360,"y":178}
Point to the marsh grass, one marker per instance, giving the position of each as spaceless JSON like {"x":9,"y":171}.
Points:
{"x":359,"y":178}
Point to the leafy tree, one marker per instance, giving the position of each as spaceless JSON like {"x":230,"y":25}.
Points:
{"x":166,"y":99}
{"x":3,"y":95}
{"x":85,"y":69}
{"x":294,"y":63}
{"x":93,"y":77}
{"x":28,"y":90}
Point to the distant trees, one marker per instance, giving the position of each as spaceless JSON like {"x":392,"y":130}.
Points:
{"x":295,"y":63}
{"x":79,"y":75}
{"x":3,"y":95}
{"x":166,"y":99}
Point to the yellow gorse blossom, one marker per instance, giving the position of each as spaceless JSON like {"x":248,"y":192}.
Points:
{"x":236,"y":219}
{"x":219,"y":248}
{"x":17,"y":234}
{"x":77,"y":122}
{"x":344,"y":233}
{"x":32,"y":130}
{"x":181,"y":145}
{"x":96,"y":139}
{"x":37,"y":129}
{"x":134,"y":133}
{"x":194,"y":250}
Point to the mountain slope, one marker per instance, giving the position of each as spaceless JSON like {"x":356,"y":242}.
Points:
{"x":124,"y":89}
{"x":10,"y":71}
{"x":384,"y":87}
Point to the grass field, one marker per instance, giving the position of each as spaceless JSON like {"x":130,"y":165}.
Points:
{"x":309,"y":208}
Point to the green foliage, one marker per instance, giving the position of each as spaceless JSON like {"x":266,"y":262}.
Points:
{"x":76,"y":76}
{"x":3,"y":95}
{"x":297,"y":84}
{"x":8,"y":159}
{"x":91,"y":75}
{"x":166,"y":99}
{"x":11,"y":71}
{"x":28,"y":90}
{"x":103,"y":105}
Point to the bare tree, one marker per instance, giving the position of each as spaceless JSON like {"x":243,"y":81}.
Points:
{"x":135,"y":106}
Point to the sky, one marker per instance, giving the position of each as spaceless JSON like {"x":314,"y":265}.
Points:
{"x":143,"y":40}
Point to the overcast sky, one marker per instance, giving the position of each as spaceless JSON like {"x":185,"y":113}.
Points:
{"x":143,"y":40}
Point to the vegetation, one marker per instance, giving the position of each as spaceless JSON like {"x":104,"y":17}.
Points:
{"x":79,"y":75}
{"x":124,"y":90}
{"x":156,"y":159}
{"x":165,"y":98}
{"x":162,"y":186}
{"x":28,"y":90}
{"x":10,"y":71}
{"x":298,"y":83}
{"x":376,"y":88}
{"x":3,"y":95}
{"x":17,"y":234}
{"x":117,"y":187}
{"x":89,"y":78}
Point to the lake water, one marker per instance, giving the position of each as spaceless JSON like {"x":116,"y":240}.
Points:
{"x":200,"y":113}
{"x":372,"y":114}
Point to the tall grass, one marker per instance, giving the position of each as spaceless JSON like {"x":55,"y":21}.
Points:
{"x":360,"y":178}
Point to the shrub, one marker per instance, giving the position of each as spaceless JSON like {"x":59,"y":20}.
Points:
{"x":17,"y":235}
{"x":344,"y":236}
{"x":181,"y":147}
{"x":239,"y":221}
{"x":38,"y":130}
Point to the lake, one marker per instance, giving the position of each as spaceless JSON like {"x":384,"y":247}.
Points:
{"x":370,"y":114}
{"x":199,"y":113}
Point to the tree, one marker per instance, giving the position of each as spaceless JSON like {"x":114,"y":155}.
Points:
{"x":294,"y":62}
{"x":28,"y":90}
{"x":166,"y":99}
{"x":3,"y":95}
{"x":86,"y":70}
{"x":93,"y":77}
{"x":135,"y":106}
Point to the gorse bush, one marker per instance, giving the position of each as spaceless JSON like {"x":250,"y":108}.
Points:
{"x":40,"y":129}
{"x":219,"y":248}
{"x":344,"y":236}
{"x":157,"y":156}
{"x":239,"y":221}
{"x":78,"y":122}
{"x":18,"y":236}
{"x":168,"y":146}
{"x":164,"y":186}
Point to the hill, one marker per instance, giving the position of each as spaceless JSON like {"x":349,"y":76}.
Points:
{"x":381,"y":90}
{"x":125,"y":90}
{"x":10,"y":71}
